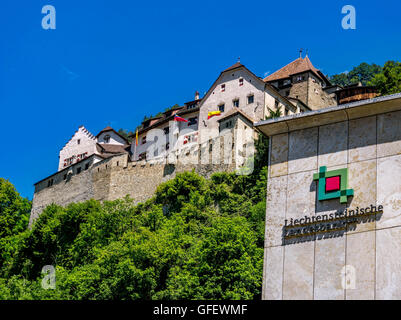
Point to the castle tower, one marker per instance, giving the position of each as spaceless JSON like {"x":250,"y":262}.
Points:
{"x":300,"y":80}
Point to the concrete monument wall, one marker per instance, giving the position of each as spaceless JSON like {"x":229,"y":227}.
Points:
{"x":363,"y":261}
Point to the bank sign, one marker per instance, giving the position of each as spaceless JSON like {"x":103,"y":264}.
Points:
{"x":333,"y":184}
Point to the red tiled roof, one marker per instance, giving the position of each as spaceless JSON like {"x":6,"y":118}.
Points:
{"x":234,"y":66}
{"x":108,"y":128}
{"x":297,"y":66}
{"x":111,"y":148}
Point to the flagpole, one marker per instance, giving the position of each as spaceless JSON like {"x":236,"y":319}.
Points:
{"x":136,"y":143}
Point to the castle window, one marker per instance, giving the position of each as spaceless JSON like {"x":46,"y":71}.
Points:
{"x":223,"y":87}
{"x":107,"y":139}
{"x":87,"y":166}
{"x":79,"y":170}
{"x":166,"y":130}
{"x":144,"y":140}
{"x":236,"y":103}
{"x":241,"y":82}
{"x":79,"y":141}
{"x":50,"y":183}
{"x":221,"y":107}
{"x":192,"y":121}
{"x":250,"y":99}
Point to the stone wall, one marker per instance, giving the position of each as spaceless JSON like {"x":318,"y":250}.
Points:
{"x":317,"y":97}
{"x":116,"y":177}
{"x":370,"y":147}
{"x":310,"y":91}
{"x":74,"y":188}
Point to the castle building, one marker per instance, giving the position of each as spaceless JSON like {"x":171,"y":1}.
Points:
{"x":83,"y":144}
{"x":168,"y":130}
{"x":235,"y":89}
{"x":107,"y":166}
{"x":301,"y":81}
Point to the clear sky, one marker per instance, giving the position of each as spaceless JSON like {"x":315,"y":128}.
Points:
{"x":112,"y":62}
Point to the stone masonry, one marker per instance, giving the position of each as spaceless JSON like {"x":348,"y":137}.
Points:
{"x":117,"y":176}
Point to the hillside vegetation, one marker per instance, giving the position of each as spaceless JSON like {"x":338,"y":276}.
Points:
{"x":195,"y":239}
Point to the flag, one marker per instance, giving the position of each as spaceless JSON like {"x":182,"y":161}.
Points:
{"x":177,"y":118}
{"x":136,"y":137}
{"x":212,"y":114}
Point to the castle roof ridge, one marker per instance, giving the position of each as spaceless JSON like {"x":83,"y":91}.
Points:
{"x":84,"y":130}
{"x":107,"y":129}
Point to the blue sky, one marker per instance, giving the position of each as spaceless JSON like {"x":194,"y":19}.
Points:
{"x":112,"y":62}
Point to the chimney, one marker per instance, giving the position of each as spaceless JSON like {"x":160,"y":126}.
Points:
{"x":196,"y":95}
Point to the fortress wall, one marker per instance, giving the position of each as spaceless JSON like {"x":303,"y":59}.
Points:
{"x":140,"y":180}
{"x":116,"y":177}
{"x":101,"y":174}
{"x":75,"y":188}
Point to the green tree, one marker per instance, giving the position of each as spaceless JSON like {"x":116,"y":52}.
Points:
{"x":388,"y":81}
{"x":340,"y":79}
{"x":230,"y":261}
{"x":363,"y":73}
{"x":126,"y":134}
{"x":14,"y":210}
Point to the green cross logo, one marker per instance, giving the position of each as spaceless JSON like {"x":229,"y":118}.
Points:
{"x":333,"y":184}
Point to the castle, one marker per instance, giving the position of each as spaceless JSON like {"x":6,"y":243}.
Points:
{"x":209,"y":134}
